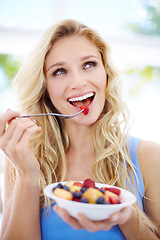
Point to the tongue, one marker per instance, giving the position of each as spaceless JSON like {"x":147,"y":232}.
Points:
{"x":79,"y":104}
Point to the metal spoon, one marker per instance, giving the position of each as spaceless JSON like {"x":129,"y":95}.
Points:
{"x":51,"y":114}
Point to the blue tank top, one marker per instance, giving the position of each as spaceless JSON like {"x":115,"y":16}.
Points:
{"x":54,"y":228}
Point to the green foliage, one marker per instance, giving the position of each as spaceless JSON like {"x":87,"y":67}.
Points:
{"x":10,"y":65}
{"x":151,"y":26}
{"x":145,"y":75}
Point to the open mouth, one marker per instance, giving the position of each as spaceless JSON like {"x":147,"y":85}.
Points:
{"x":82,"y":100}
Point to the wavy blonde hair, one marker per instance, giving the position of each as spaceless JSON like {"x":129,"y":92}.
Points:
{"x":112,"y":164}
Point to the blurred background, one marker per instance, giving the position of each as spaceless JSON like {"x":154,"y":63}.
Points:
{"x":131,"y":27}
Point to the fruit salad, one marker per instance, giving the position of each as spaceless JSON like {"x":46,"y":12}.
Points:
{"x":87,"y":192}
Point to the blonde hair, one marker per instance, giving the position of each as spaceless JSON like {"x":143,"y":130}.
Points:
{"x":112,"y":164}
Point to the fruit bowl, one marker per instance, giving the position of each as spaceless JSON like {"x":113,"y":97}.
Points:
{"x":95,"y":212}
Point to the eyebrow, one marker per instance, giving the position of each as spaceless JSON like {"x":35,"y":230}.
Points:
{"x":58,"y":64}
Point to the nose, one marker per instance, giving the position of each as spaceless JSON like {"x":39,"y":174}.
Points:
{"x":77,"y":80}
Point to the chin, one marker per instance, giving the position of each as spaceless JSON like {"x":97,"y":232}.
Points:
{"x":89,"y":119}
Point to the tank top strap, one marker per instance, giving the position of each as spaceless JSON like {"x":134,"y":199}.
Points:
{"x":139,"y":185}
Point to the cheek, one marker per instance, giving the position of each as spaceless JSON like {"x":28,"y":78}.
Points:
{"x":102,"y":81}
{"x":54,"y":91}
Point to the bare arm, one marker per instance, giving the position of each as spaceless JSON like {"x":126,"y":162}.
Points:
{"x":21,"y":210}
{"x":21,"y":198}
{"x":149,"y":161}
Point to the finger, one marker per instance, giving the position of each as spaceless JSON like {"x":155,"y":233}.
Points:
{"x":22,"y":147}
{"x":67,"y":218}
{"x":94,"y":226}
{"x":27,"y":134}
{"x":17,"y":129}
{"x":6,"y":117}
{"x":122,"y":216}
{"x":14,"y":133}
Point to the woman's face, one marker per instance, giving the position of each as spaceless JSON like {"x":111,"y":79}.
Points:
{"x":76,"y":77}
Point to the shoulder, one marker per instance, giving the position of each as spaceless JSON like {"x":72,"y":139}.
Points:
{"x":149,"y":161}
{"x":148,"y":154}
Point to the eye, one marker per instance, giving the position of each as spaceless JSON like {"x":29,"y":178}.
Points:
{"x":59,"y":72}
{"x":89,"y":64}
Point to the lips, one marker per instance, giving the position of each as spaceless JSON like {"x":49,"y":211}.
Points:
{"x":79,"y":101}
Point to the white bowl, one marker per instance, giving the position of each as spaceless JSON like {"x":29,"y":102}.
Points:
{"x":94,"y":212}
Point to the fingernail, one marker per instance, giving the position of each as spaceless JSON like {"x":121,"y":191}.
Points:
{"x":115,"y":218}
{"x":80,"y":218}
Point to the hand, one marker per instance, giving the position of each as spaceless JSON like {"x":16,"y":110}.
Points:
{"x":14,"y":142}
{"x":84,"y":223}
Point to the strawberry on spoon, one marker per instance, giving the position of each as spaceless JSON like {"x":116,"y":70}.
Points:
{"x":86,"y":109}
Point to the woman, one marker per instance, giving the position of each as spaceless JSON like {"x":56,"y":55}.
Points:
{"x":69,"y":69}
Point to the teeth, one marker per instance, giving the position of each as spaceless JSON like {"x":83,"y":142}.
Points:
{"x":81,"y":98}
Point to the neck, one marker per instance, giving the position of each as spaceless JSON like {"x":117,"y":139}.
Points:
{"x":80,"y":140}
{"x":80,"y":155}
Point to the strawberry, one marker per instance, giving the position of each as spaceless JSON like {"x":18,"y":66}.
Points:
{"x":78,"y":184}
{"x":76,"y":199}
{"x":88,"y":183}
{"x":115,"y":190}
{"x":114,"y":200}
{"x":86,"y":109}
